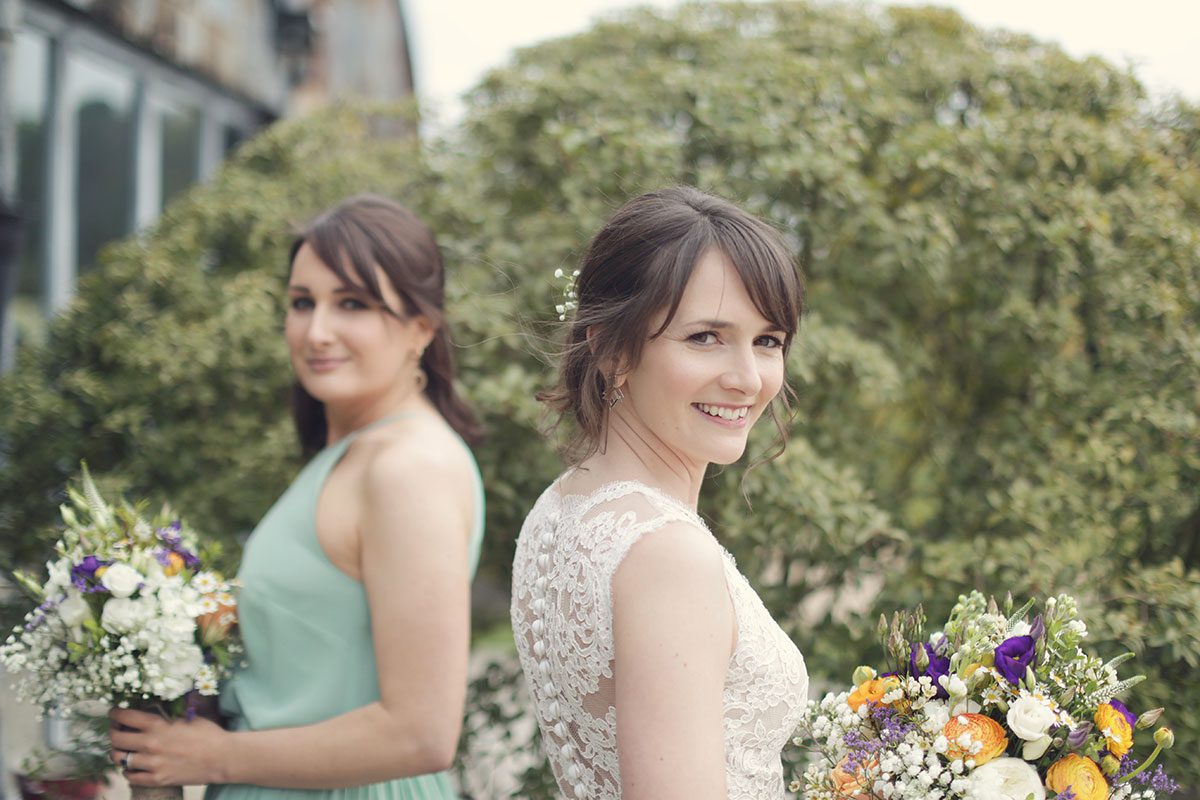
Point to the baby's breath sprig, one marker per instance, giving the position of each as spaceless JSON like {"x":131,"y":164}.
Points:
{"x":570,"y":300}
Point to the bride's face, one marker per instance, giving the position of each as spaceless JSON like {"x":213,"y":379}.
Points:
{"x":703,"y":383}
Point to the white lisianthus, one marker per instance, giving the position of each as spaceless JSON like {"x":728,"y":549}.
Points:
{"x":1020,"y":628}
{"x":1005,"y":779}
{"x":74,"y":610}
{"x":121,"y":580}
{"x":124,"y":615}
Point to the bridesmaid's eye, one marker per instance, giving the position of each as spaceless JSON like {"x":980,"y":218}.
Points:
{"x":300,"y":304}
{"x":704,"y":337}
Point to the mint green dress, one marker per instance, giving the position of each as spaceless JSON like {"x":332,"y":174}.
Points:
{"x":307,"y":632}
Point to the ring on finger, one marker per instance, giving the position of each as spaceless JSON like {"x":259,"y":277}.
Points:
{"x":127,"y":761}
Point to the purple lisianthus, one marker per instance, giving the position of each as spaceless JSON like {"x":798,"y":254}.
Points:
{"x":1129,"y":716}
{"x":83,"y":574}
{"x":170,"y":534}
{"x":938,"y":666}
{"x":1078,"y":737}
{"x":1014,"y":656}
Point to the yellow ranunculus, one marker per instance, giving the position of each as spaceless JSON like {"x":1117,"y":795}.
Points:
{"x":984,"y":730}
{"x":872,"y":691}
{"x":1081,"y":775}
{"x":1118,"y":732}
{"x":174,"y":564}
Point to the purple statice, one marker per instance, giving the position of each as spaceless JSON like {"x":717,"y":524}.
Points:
{"x":861,"y":749}
{"x":1128,"y":765}
{"x":39,"y":613}
{"x":1158,"y":780}
{"x":1066,"y":794}
{"x":864,"y":747}
{"x":83,"y":574}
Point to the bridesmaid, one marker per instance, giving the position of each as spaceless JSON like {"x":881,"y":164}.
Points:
{"x":355,"y":602}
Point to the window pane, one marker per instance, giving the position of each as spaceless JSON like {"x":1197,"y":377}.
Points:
{"x":101,"y":95}
{"x":180,"y":150}
{"x":233,"y":137}
{"x":30,"y":101}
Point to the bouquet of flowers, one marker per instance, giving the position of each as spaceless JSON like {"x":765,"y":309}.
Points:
{"x":128,"y":615}
{"x":995,"y":706}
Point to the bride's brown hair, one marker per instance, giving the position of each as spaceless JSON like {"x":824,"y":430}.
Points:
{"x":638,"y":266}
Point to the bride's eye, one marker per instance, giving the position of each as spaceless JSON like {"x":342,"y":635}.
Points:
{"x":300,"y":304}
{"x":353,"y":304}
{"x":769,"y":341}
{"x":704,"y":337}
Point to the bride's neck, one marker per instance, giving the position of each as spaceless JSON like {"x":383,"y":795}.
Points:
{"x":631,"y":451}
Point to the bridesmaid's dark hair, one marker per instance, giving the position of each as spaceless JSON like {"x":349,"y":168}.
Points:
{"x":637,"y":267}
{"x":352,"y":239}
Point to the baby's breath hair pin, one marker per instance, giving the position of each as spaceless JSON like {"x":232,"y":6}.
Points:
{"x":570,"y":301}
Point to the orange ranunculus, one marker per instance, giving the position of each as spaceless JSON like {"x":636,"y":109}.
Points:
{"x":216,"y":622}
{"x":1119,"y":733}
{"x":1081,"y":775}
{"x":872,"y":691}
{"x":853,"y":785}
{"x":984,"y":730}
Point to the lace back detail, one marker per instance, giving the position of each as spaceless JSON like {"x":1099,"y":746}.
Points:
{"x":568,"y":551}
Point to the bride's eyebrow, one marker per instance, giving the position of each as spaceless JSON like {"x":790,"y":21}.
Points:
{"x":716,"y":324}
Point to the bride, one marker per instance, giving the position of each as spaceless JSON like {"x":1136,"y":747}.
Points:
{"x":655,"y":669}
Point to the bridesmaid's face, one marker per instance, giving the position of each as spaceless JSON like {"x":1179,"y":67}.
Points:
{"x":701,"y":385}
{"x":345,"y":346}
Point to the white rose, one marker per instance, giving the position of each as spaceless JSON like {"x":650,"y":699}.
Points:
{"x":121,"y":580}
{"x":74,"y":610}
{"x":1029,"y":718}
{"x":123,"y":615}
{"x":1006,"y":779}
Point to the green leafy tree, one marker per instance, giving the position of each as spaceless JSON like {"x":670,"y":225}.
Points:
{"x":996,"y":385}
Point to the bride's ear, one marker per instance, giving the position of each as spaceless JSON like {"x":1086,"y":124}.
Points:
{"x":616,"y":368}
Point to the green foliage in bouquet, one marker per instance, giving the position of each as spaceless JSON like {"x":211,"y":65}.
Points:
{"x":996,"y":383}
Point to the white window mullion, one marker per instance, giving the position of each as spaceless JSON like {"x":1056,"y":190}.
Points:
{"x":147,"y":195}
{"x":62,"y":168}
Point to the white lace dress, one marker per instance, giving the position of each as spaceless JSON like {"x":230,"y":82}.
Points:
{"x":569,"y":548}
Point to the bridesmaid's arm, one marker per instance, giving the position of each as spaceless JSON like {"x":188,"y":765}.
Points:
{"x":673,"y":633}
{"x":414,"y":534}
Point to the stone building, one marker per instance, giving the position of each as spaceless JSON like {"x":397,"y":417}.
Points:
{"x":109,"y":108}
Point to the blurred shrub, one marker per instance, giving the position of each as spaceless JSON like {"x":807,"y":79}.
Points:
{"x":997,"y":383}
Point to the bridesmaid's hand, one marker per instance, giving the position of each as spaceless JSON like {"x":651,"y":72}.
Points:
{"x":153,"y":751}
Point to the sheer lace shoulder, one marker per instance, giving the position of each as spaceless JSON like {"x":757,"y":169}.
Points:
{"x":568,"y":551}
